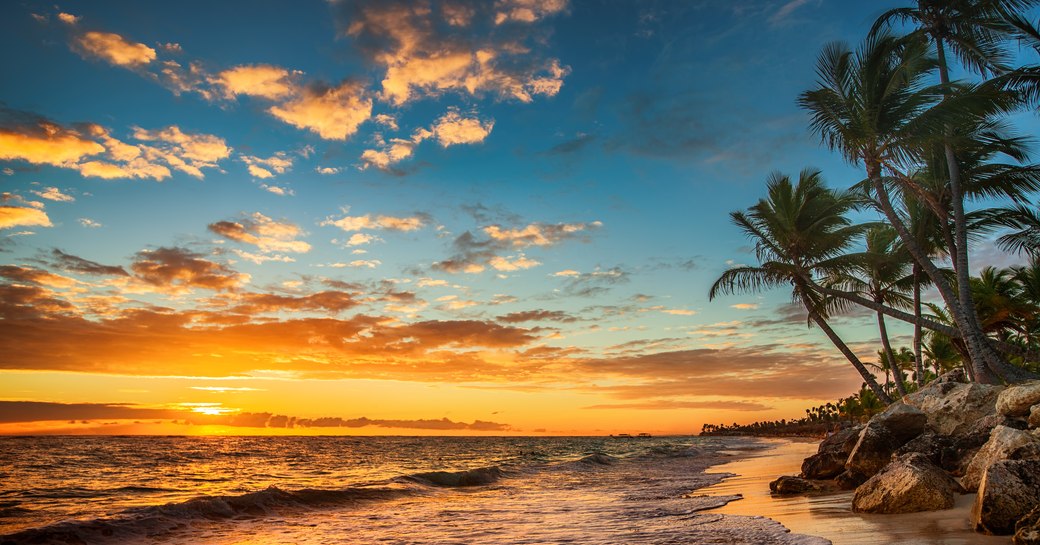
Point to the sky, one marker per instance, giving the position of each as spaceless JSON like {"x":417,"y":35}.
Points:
{"x":385,"y":217}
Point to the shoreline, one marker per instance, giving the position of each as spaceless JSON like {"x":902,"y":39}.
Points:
{"x":829,"y":516}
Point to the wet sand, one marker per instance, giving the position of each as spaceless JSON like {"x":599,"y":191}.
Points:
{"x":830,"y":516}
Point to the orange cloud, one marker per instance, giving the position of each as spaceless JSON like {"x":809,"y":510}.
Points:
{"x":177,"y":270}
{"x":269,"y":167}
{"x":260,"y":80}
{"x":263,"y":232}
{"x":368,"y":221}
{"x":333,"y":113}
{"x":425,"y":58}
{"x":11,"y":216}
{"x":114,"y":49}
{"x":539,"y":234}
{"x":451,"y":129}
{"x":28,"y":137}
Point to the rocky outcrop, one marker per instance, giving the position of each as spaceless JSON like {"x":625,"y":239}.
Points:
{"x":1034,"y":417}
{"x":1003,"y":441}
{"x":1027,"y":529}
{"x":880,"y":438}
{"x":937,"y":448}
{"x":829,"y":460}
{"x":953,"y":408}
{"x":790,"y":485}
{"x":1009,"y":490}
{"x":909,"y":484}
{"x":1017,"y":400}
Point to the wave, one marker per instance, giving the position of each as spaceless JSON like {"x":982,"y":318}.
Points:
{"x":599,"y":459}
{"x":470,"y":477}
{"x":152,"y":520}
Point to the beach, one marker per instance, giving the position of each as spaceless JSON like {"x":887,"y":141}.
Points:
{"x":830,"y":515}
{"x":237,"y":490}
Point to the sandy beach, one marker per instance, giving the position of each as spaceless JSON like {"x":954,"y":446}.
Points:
{"x":830,"y":516}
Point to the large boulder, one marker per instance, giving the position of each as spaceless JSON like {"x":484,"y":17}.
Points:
{"x":937,"y":448}
{"x":829,"y":460}
{"x":1034,"y":416}
{"x":880,"y":438}
{"x":910,"y":484}
{"x":952,"y":408}
{"x":1003,"y":441}
{"x":1009,"y":490}
{"x":1016,"y":400}
{"x":1027,"y":529}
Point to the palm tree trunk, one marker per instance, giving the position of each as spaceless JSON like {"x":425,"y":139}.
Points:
{"x":897,"y":373}
{"x":918,"y":360}
{"x":981,"y":368}
{"x":846,"y":351}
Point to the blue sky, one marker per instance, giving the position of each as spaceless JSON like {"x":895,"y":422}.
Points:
{"x":449,"y":165}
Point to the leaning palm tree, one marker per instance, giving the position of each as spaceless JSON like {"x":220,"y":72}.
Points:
{"x":800,"y":231}
{"x":875,"y":107}
{"x":881,"y":272}
{"x":1023,"y":221}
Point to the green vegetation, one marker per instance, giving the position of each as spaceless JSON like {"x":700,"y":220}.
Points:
{"x":943,"y":168}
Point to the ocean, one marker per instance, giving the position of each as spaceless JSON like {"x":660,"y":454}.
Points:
{"x":318,"y":490}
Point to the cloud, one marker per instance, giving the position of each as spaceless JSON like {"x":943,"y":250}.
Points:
{"x":449,"y":130}
{"x":69,"y":262}
{"x":423,"y":57}
{"x":330,"y":300}
{"x":13,"y":216}
{"x":473,"y":253}
{"x":670,"y":404}
{"x":188,"y":152}
{"x":35,"y":276}
{"x":40,"y":411}
{"x":526,"y":11}
{"x":263,"y":232}
{"x":786,"y":10}
{"x":512,"y":263}
{"x":68,"y":18}
{"x":89,"y":223}
{"x":269,"y":167}
{"x":594,"y":283}
{"x":178,"y":269}
{"x":54,"y":194}
{"x":259,"y":80}
{"x":539,"y":234}
{"x":368,"y":221}
{"x":537,"y":316}
{"x":327,"y":171}
{"x":278,"y":190}
{"x":333,"y":113}
{"x":745,"y":306}
{"x":28,"y":137}
{"x":113,"y":49}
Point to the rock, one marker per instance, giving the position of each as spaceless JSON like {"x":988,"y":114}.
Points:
{"x":829,"y":460}
{"x":847,"y":481}
{"x":910,"y":484}
{"x":1027,"y":529}
{"x":1002,"y":442}
{"x":952,"y":408}
{"x":788,"y":485}
{"x":937,"y":448}
{"x":1009,"y":490}
{"x":880,"y":438}
{"x":1016,"y":400}
{"x":1034,"y":417}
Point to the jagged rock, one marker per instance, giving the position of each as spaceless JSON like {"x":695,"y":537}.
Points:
{"x":829,"y":460}
{"x":953,"y":408}
{"x":1002,"y":442}
{"x":1034,"y":417}
{"x":1009,"y":490}
{"x":910,"y":484}
{"x":847,"y":481}
{"x":1016,"y":400}
{"x":965,"y":446}
{"x":937,"y":448}
{"x":880,"y":438}
{"x":1027,"y":529}
{"x":788,"y":484}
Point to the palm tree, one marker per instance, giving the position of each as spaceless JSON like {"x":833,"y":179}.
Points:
{"x":1024,"y":222}
{"x":874,"y":107}
{"x":800,"y":231}
{"x":941,"y":353}
{"x":978,"y":33}
{"x":881,"y":273}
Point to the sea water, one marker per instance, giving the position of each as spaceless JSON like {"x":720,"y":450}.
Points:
{"x":311,"y":490}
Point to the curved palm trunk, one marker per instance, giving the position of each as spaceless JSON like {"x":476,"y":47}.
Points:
{"x":847,"y":352}
{"x":978,"y":344}
{"x":981,"y":367}
{"x":897,"y":373}
{"x":918,"y":359}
